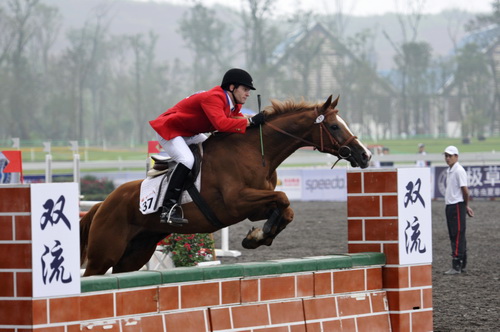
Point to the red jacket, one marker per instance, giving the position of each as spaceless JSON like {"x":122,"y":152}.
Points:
{"x":202,"y":112}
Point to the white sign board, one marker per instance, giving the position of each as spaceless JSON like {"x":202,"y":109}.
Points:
{"x":55,"y":239}
{"x":415,"y":216}
{"x":325,"y":185}
{"x":290,"y":181}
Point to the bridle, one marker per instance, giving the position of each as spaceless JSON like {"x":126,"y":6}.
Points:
{"x":342,"y":151}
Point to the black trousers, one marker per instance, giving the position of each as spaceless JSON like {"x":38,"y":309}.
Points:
{"x":455,"y":218}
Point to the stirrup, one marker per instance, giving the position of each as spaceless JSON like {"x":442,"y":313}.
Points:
{"x":170,"y":217}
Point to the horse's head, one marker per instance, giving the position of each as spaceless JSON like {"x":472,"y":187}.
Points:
{"x":336,"y":137}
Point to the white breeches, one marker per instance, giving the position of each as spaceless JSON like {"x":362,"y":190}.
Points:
{"x":178,"y":148}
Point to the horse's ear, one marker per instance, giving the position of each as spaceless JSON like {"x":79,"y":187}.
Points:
{"x":326,"y":104}
{"x":335,"y":102}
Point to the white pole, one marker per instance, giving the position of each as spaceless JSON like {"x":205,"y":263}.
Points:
{"x":48,"y":168}
{"x":76,"y":170}
{"x":225,"y":239}
{"x":224,"y":251}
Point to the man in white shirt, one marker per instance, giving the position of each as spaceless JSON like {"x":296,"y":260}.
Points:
{"x":457,"y":206}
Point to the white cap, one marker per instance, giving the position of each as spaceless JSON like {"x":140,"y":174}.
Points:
{"x":451,"y":150}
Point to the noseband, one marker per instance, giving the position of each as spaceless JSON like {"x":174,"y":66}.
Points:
{"x":342,"y":151}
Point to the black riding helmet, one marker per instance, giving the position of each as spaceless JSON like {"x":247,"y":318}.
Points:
{"x":238,"y":77}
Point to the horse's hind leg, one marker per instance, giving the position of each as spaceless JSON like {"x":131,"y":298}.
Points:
{"x":137,"y":254}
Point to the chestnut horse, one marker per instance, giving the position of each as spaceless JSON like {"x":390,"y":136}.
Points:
{"x":237,"y":183}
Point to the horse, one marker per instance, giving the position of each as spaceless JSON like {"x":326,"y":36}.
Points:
{"x":238,"y":179}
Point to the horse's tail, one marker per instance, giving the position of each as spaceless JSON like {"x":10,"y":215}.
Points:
{"x":85,"y":223}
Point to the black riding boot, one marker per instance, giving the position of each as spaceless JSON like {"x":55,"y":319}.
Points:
{"x":170,"y":213}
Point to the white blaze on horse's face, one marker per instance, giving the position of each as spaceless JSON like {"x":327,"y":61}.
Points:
{"x":367,"y":152}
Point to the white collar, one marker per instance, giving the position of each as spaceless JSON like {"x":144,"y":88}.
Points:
{"x":231,"y":105}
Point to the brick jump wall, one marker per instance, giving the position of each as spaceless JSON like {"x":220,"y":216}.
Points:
{"x":328,"y":293}
{"x":372,"y":209}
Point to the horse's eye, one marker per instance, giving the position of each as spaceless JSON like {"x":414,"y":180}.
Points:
{"x":334,"y":127}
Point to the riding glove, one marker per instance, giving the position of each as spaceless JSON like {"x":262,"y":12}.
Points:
{"x":257,"y":119}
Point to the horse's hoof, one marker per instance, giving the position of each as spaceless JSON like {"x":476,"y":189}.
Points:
{"x":268,"y":241}
{"x":249,"y":243}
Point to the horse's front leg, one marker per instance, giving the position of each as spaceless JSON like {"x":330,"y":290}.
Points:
{"x":260,"y":204}
{"x":273,"y":226}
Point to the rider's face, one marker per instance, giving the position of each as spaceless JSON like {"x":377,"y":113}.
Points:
{"x":241,"y":93}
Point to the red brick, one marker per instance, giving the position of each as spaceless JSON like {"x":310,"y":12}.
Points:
{"x":200,"y":295}
{"x":316,"y":327}
{"x":250,"y":315}
{"x":374,"y":278}
{"x":23,"y":228}
{"x":305,"y":285}
{"x":364,"y":247}
{"x":374,"y":323}
{"x":96,"y":306}
{"x":355,"y":230}
{"x":286,"y":312}
{"x":320,"y":308}
{"x":421,"y":321}
{"x":6,"y":233}
{"x":24,"y":284}
{"x":353,"y":183}
{"x":404,"y":300}
{"x":15,"y":199}
{"x":381,"y":182}
{"x":220,"y":318}
{"x":421,"y":275}
{"x":400,"y":322}
{"x":358,"y":304}
{"x":379,"y":302}
{"x":298,"y":328}
{"x":40,"y":312}
{"x":427,"y":297}
{"x":349,"y":281}
{"x":323,"y":283}
{"x":381,"y":230}
{"x":249,"y":290}
{"x":395,"y":277}
{"x":277,"y":288}
{"x":347,"y":324}
{"x":390,"y":206}
{"x":7,"y":282}
{"x":16,"y":312}
{"x":169,"y":298}
{"x":231,"y":292}
{"x":64,"y":309}
{"x":191,"y":321}
{"x":272,"y":329}
{"x":152,"y":323}
{"x":136,"y":302}
{"x":363,"y":206}
{"x":15,"y":255}
{"x":391,"y":251}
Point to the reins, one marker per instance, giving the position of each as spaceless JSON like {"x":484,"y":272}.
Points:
{"x":343,"y":151}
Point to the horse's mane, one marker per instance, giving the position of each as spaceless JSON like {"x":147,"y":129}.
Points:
{"x":278,"y":107}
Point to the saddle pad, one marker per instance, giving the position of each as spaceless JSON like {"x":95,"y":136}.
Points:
{"x":153,"y":191}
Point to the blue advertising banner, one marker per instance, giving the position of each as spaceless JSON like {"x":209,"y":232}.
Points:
{"x":484,"y":181}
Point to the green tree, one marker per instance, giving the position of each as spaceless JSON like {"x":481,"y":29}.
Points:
{"x":474,"y":90}
{"x":208,"y":38}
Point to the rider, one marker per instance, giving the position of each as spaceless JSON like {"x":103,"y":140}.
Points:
{"x":186,"y":122}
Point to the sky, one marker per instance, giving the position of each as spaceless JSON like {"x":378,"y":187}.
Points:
{"x":360,"y":7}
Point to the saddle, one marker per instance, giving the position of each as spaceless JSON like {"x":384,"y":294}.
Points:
{"x":163,"y":165}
